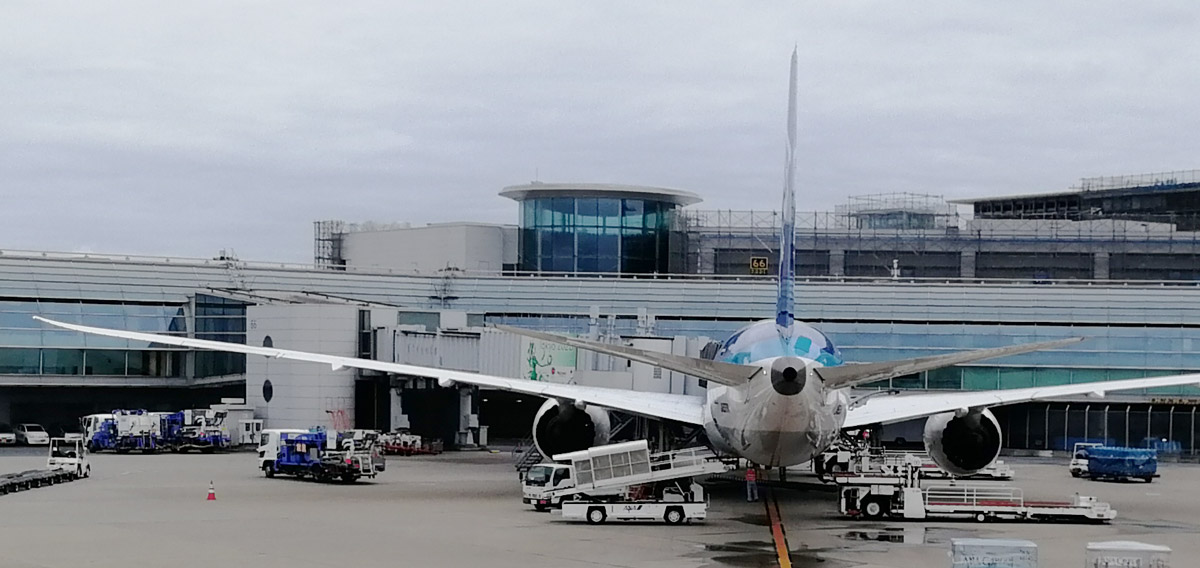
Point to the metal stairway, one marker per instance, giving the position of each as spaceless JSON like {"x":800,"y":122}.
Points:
{"x":525,"y":456}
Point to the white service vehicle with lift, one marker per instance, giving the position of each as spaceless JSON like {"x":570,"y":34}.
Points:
{"x":626,"y":482}
{"x":879,"y":495}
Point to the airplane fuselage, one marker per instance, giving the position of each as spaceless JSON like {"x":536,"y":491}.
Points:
{"x":776,"y":419}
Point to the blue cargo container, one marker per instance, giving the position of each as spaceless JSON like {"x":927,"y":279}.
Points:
{"x":1106,"y":462}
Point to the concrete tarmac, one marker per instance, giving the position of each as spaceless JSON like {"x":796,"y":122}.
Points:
{"x":464,"y":509}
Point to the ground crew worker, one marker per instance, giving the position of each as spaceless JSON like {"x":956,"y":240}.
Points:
{"x":751,"y":484}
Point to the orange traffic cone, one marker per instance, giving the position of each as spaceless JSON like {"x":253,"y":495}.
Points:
{"x":212,"y":492}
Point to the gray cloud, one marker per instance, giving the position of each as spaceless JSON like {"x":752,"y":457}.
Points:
{"x":182,"y":129}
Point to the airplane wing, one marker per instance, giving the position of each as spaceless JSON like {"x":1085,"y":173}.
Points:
{"x":854,"y":374}
{"x":718,"y":372}
{"x":677,"y":407}
{"x":885,"y":409}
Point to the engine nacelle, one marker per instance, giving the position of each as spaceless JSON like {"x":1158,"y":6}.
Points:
{"x":963,"y":445}
{"x":561,"y":428}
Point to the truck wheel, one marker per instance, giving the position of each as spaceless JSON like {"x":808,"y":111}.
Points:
{"x":540,"y":507}
{"x":596,"y":515}
{"x":349,"y":478}
{"x":1076,"y":474}
{"x":874,"y":509}
{"x":268,"y":470}
{"x":1149,"y":479}
{"x":674,"y":516}
{"x":981,"y":518}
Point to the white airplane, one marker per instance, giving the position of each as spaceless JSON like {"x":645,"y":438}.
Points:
{"x":778,"y":391}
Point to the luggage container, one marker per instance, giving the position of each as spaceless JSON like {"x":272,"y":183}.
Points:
{"x":1120,"y":464}
{"x":992,"y":553}
{"x":1126,"y":554}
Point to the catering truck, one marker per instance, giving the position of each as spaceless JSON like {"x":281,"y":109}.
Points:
{"x":625,"y":482}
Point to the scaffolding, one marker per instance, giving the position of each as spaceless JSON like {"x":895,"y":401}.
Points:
{"x":898,"y":211}
{"x":327,"y":244}
{"x":1158,"y":180}
{"x":918,"y":236}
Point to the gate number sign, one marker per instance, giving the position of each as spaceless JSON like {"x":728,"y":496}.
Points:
{"x":758,"y":265}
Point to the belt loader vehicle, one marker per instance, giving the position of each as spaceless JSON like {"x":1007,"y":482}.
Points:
{"x":322,"y":455}
{"x":626,"y":482}
{"x":875,"y":496}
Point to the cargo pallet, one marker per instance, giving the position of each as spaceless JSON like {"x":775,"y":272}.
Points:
{"x":34,"y":478}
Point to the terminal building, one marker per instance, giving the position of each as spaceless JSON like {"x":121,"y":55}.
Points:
{"x":887,"y":277}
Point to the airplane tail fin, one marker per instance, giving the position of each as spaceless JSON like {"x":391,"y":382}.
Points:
{"x":785,"y":301}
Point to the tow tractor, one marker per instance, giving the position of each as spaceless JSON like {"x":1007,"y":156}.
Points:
{"x":905,"y":496}
{"x":67,"y":462}
{"x":626,"y":482}
{"x":1079,"y":458}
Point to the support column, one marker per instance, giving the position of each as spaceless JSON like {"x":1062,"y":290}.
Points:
{"x":837,"y":263}
{"x":1100,"y":270}
{"x":396,"y":398}
{"x":468,"y":420}
{"x":966,"y":264}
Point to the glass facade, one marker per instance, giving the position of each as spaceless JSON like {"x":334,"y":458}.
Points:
{"x":220,"y":319}
{"x":594,"y":234}
{"x":28,"y":347}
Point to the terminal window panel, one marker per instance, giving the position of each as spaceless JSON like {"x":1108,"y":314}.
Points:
{"x":1034,"y":266}
{"x":62,"y":361}
{"x":1137,"y":266}
{"x":1172,"y":429}
{"x":149,"y":363}
{"x":737,"y":261}
{"x":878,"y":264}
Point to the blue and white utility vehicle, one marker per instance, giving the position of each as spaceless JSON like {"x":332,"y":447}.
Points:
{"x":322,"y":455}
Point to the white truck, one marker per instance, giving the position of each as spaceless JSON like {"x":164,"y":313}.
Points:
{"x":1079,"y":458}
{"x":542,"y":483}
{"x":626,"y":482}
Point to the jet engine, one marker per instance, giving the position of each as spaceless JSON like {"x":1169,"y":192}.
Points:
{"x":963,"y":443}
{"x":563,"y":427}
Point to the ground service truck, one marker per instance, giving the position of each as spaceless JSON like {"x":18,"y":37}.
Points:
{"x":322,"y":455}
{"x":625,"y":482}
{"x":193,"y":430}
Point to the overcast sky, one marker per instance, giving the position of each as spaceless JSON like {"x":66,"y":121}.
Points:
{"x":170,"y":129}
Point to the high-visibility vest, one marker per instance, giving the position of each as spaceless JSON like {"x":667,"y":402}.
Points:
{"x":751,"y":474}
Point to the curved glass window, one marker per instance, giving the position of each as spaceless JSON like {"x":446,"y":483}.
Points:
{"x":594,"y":234}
